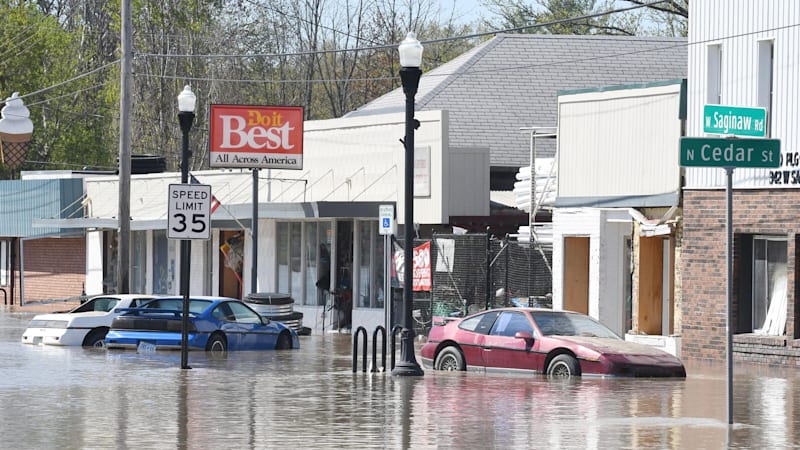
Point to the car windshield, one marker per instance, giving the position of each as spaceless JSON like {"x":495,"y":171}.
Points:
{"x":104,"y":304}
{"x":570,"y":324}
{"x":195,"y":305}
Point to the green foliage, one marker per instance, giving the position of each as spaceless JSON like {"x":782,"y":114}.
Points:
{"x":39,"y":52}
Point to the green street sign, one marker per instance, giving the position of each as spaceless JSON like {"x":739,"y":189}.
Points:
{"x":721,"y":119}
{"x":719,"y":152}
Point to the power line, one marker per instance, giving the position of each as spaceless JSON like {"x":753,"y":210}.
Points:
{"x":75,"y":78}
{"x":394,"y":45}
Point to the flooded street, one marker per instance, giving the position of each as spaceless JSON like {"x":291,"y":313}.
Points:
{"x":309,"y":398}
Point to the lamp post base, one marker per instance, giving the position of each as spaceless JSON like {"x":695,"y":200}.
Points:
{"x":407,"y":369}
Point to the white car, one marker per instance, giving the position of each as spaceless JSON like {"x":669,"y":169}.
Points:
{"x":85,"y":325}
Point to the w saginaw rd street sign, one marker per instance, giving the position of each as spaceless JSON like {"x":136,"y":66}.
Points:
{"x":189,"y":211}
{"x":719,"y":152}
{"x":736,"y":120}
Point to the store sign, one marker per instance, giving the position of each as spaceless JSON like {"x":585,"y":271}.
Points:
{"x":265,"y":137}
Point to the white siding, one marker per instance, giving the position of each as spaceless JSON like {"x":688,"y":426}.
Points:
{"x":738,"y":26}
{"x":606,"y":229}
{"x":619,"y":143}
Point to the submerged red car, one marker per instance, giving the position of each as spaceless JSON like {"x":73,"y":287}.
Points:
{"x":556,"y":343}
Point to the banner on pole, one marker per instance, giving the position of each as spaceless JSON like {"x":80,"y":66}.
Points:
{"x":422,"y":280}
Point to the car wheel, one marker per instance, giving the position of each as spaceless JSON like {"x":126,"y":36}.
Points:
{"x":95,"y":338}
{"x":217,"y":345}
{"x":284,"y":342}
{"x":450,"y":359}
{"x":564,"y":366}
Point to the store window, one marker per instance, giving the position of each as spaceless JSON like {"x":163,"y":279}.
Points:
{"x":303,"y":256}
{"x":138,"y":261}
{"x":163,"y":263}
{"x":283,"y":258}
{"x":109,"y":262}
{"x":295,"y":261}
{"x":714,"y":73}
{"x":317,"y":245}
{"x":5,"y":266}
{"x":370,"y":275}
{"x":766,"y":62}
{"x":769,"y":285}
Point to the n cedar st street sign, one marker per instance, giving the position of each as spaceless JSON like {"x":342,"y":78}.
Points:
{"x":720,"y":152}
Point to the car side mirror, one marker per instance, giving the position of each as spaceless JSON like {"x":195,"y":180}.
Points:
{"x":524,"y":335}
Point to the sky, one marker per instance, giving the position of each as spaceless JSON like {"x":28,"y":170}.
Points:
{"x":467,"y":10}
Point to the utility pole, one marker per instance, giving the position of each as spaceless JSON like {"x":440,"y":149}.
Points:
{"x":124,"y":214}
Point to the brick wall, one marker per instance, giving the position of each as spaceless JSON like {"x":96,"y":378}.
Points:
{"x":703,"y":268}
{"x":55,"y":268}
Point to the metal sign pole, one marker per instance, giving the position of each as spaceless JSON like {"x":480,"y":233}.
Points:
{"x":387,"y":281}
{"x":729,"y":288}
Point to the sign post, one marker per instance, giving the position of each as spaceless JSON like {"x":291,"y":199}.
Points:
{"x":728,"y":154}
{"x":387,"y":227}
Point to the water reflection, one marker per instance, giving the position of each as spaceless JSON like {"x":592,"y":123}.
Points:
{"x":81,"y":398}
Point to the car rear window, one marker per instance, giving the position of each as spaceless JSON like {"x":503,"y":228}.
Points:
{"x":480,"y":323}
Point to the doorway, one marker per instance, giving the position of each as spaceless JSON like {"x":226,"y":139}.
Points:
{"x":576,"y":274}
{"x":343,"y":292}
{"x":231,"y":257}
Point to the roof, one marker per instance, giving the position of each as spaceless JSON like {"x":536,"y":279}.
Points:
{"x":513,"y":80}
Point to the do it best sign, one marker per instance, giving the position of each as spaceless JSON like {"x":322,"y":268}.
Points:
{"x":266,"y":137}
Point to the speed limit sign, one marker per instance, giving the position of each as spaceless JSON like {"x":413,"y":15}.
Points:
{"x":189,"y":211}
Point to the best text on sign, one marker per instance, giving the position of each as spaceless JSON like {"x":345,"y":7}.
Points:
{"x":189,"y":215}
{"x":268,"y":137}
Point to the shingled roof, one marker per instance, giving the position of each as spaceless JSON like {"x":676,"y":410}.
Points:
{"x":513,"y":80}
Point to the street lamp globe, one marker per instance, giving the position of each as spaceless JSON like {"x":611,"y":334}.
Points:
{"x":186,"y":100}
{"x":410,"y":51}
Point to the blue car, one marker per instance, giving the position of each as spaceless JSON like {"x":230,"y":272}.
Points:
{"x":216,"y":324}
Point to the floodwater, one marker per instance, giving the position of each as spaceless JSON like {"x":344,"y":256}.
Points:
{"x":310,"y":398}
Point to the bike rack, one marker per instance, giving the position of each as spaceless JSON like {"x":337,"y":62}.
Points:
{"x":361,"y":331}
{"x":375,"y":348}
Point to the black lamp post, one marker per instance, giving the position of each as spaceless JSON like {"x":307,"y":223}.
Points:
{"x":410,"y":60}
{"x":186,"y":104}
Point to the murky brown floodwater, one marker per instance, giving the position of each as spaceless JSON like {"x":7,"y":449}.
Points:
{"x":81,"y":398}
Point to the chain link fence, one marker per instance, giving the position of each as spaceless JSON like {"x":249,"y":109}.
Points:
{"x":472,"y":272}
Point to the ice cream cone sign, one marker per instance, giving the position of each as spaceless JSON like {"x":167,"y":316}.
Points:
{"x":15,"y":131}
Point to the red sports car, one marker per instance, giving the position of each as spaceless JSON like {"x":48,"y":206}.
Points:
{"x":556,"y":343}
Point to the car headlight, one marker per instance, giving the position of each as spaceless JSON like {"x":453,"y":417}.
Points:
{"x":48,"y":324}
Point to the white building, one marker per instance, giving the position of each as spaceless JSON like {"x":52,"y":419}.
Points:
{"x":617,"y":200}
